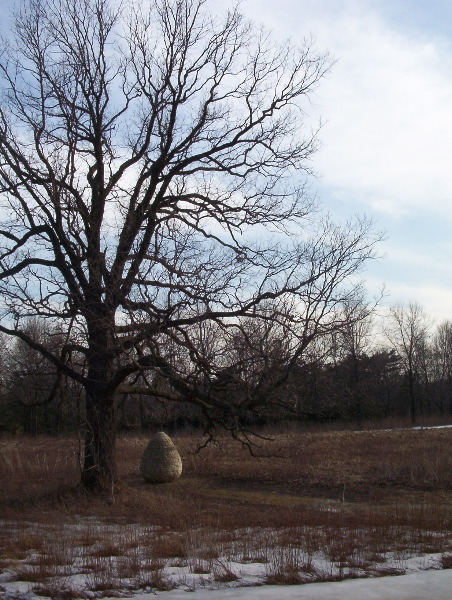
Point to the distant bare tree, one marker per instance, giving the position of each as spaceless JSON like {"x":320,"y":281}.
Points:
{"x":153,"y":168}
{"x":31,"y":378}
{"x":441,"y":365}
{"x":356,"y":340}
{"x":38,"y":396}
{"x":407,"y":330}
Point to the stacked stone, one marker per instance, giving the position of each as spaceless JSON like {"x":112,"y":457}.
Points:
{"x":161,"y":462}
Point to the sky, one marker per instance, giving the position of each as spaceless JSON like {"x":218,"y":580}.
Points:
{"x":387,"y":135}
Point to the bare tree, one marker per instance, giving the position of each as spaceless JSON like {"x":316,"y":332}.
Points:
{"x":407,"y":331}
{"x":349,"y":345}
{"x":441,"y":365}
{"x":153,"y":169}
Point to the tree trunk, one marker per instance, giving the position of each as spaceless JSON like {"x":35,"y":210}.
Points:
{"x":412,"y":396}
{"x":99,"y":468}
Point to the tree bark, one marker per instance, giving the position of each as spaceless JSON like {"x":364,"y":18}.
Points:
{"x":99,"y":471}
{"x":412,"y":397}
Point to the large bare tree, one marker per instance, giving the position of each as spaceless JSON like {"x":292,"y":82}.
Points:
{"x":153,"y":168}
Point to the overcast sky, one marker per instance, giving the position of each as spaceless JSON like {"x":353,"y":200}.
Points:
{"x":387,"y":140}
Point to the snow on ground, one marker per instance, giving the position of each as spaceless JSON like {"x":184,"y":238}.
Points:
{"x":423,"y":585}
{"x":433,"y":427}
{"x":416,"y":428}
{"x":424,"y":581}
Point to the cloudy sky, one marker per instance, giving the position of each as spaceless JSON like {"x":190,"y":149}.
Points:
{"x":387,"y":139}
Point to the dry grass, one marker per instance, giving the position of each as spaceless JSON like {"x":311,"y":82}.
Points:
{"x":368,"y":465}
{"x":59,"y":590}
{"x":400,"y":472}
{"x":446,"y":561}
{"x":33,"y":467}
{"x":354,"y":497}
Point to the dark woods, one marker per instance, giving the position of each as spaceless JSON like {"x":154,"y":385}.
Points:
{"x":334,"y":384}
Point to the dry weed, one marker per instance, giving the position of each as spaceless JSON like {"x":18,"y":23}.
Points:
{"x":446,"y":561}
{"x":57,"y":590}
{"x":353,"y":497}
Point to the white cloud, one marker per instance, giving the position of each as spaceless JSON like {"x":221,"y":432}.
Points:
{"x":437,"y":300}
{"x":434,"y":299}
{"x":388,"y":141}
{"x":432,"y":263}
{"x":388,"y":138}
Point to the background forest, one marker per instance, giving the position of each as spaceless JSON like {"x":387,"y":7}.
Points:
{"x":353,"y":374}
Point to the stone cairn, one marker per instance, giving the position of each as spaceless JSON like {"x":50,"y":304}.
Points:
{"x":161,"y":462}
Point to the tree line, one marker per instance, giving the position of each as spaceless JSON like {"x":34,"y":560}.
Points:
{"x":346,"y":376}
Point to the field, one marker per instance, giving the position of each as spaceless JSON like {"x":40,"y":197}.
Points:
{"x":314,"y":506}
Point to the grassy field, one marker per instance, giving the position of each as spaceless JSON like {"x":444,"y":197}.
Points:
{"x":364,"y":501}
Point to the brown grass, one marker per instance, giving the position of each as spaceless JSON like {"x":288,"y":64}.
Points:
{"x":401,"y":472}
{"x":353,"y":496}
{"x":59,"y":590}
{"x":446,"y":561}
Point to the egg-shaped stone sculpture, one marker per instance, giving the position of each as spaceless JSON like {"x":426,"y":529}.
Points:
{"x":161,"y":462}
